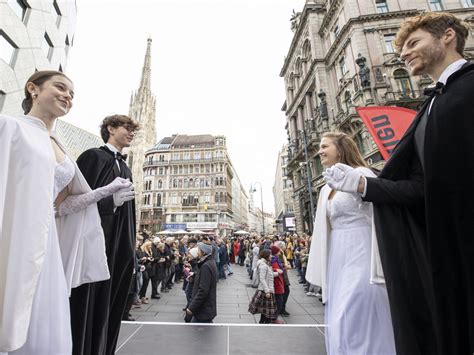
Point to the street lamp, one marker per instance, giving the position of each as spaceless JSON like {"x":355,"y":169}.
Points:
{"x":261,"y":200}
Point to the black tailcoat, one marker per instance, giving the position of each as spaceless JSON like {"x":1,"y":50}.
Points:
{"x":97,"y":308}
{"x":425,"y":226}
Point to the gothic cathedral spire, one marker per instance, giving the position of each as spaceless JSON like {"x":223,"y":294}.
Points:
{"x":142,"y":110}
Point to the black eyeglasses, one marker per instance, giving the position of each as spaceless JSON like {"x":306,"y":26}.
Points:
{"x":129,"y":128}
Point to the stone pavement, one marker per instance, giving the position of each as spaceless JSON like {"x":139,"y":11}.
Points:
{"x":159,"y":326}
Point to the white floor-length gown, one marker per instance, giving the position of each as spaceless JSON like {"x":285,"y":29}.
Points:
{"x":357,"y":312}
{"x":49,"y":332}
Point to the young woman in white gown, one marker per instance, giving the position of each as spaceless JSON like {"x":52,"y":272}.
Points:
{"x":343,"y":261}
{"x":41,"y":257}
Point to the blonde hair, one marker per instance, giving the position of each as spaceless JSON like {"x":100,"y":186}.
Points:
{"x":146,"y":247}
{"x":347,"y":149}
{"x":435,"y":23}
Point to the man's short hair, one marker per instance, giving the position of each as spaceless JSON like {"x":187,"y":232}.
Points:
{"x":435,"y":23}
{"x":116,"y":121}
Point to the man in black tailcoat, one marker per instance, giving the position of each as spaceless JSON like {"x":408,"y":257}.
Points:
{"x":424,"y":197}
{"x":97,"y":308}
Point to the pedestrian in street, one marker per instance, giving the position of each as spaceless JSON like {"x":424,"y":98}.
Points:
{"x":357,"y":311}
{"x":286,"y":280}
{"x":424,"y":213}
{"x":97,"y":308}
{"x":203,"y":306}
{"x":263,"y":301}
{"x":43,"y":257}
{"x":278,"y":282}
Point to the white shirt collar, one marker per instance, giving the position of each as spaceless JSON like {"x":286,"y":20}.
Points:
{"x":450,"y":69}
{"x":112,"y":148}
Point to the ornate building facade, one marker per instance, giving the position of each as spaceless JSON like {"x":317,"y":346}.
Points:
{"x":190,"y":183}
{"x":283,"y":194}
{"x":342,"y":56}
{"x":34,"y":35}
{"x":142,"y":110}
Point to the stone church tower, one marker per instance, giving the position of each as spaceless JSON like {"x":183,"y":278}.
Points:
{"x":142,"y":110}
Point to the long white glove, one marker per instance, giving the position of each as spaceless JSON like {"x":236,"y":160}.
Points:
{"x":342,"y":177}
{"x":122,"y":196}
{"x":75,"y":203}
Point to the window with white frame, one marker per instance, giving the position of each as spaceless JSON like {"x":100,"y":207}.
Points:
{"x":381,"y":6}
{"x":7,"y":48}
{"x":468,"y":3}
{"x":389,"y":43}
{"x":57,"y":11}
{"x":47,"y":46}
{"x":342,"y":66}
{"x":19,"y":7}
{"x":435,"y":5}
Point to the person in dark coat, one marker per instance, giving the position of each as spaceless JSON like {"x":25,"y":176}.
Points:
{"x":97,"y":308}
{"x":203,"y":306}
{"x":158,"y":251}
{"x":424,"y":211}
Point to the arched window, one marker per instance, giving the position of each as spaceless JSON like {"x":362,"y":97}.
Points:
{"x":307,"y":58}
{"x":160,"y":184}
{"x":347,"y":100}
{"x":404,"y":82}
{"x":175,"y":183}
{"x":216,"y":198}
{"x":298,"y":73}
{"x":158,"y":199}
{"x":180,"y":183}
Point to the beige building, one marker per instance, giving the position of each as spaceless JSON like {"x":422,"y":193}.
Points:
{"x":283,"y":194}
{"x":342,"y":56}
{"x":189,"y":184}
{"x":142,"y":110}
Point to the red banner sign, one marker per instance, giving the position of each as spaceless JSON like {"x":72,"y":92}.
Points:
{"x":386,"y":124}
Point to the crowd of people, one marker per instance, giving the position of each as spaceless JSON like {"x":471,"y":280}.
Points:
{"x":162,"y":263}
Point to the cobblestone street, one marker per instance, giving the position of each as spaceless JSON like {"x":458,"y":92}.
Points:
{"x":160,"y":325}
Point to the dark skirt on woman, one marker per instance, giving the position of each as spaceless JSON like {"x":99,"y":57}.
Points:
{"x":261,"y":304}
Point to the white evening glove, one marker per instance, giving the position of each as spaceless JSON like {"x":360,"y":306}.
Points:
{"x":342,"y":177}
{"x":122,"y":196}
{"x":75,"y":203}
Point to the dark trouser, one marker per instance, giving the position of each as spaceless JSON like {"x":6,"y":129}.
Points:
{"x":291,"y":263}
{"x":154,"y":285}
{"x":264,"y":320}
{"x":146,"y":281}
{"x":178,"y":272}
{"x":279,"y":303}
{"x":220,"y":268}
{"x":285,"y":296}
{"x":189,"y":292}
{"x":167,"y":278}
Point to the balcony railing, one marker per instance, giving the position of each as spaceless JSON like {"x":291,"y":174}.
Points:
{"x":183,"y":161}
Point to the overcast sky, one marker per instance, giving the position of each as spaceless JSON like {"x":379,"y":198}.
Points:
{"x":215,"y":70}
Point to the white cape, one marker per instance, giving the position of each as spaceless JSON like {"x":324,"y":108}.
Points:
{"x":316,"y":271}
{"x":26,"y":209}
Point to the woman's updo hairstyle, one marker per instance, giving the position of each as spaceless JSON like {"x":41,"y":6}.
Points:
{"x":38,"y":78}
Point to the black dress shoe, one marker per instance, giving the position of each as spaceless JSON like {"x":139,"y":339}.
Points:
{"x":284,"y":313}
{"x":156,"y":297}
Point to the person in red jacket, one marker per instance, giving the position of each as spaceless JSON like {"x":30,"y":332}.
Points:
{"x":278,"y":281}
